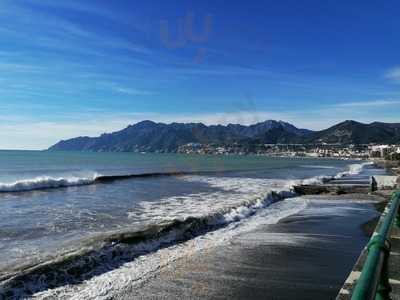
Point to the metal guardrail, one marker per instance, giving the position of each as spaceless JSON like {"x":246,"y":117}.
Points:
{"x":374,"y":279}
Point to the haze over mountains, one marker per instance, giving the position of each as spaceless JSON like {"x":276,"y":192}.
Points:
{"x":151,"y":136}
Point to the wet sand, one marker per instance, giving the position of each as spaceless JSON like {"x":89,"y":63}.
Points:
{"x":305,"y":256}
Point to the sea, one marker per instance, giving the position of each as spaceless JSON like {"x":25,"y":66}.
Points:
{"x":68,"y":218}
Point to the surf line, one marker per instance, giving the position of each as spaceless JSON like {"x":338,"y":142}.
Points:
{"x":47,"y":183}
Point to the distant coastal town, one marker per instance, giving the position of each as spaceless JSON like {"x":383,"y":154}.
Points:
{"x":387,"y":152}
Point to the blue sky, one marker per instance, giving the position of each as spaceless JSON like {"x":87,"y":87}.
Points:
{"x":70,"y":68}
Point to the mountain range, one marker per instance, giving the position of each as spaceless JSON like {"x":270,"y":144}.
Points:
{"x":150,"y":136}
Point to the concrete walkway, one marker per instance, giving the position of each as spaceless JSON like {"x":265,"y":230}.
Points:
{"x":394,"y":263}
{"x":394,"y":266}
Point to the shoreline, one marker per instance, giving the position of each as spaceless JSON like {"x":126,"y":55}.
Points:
{"x":362,"y":196}
{"x":198,"y":276}
{"x":295,"y":258}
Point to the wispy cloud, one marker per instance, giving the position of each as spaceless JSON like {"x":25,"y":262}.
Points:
{"x":77,"y":6}
{"x":393,"y":74}
{"x":30,"y":133}
{"x":39,"y":135}
{"x":73,"y":56}
{"x":30,"y":22}
{"x":133,"y":92}
{"x":220,"y":71}
{"x":18,"y":67}
{"x":33,"y":134}
{"x":367,"y":104}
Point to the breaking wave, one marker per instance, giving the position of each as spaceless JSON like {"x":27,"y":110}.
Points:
{"x":354,"y":169}
{"x":110,"y":251}
{"x":318,"y":167}
{"x":47,"y":182}
{"x":44,"y":182}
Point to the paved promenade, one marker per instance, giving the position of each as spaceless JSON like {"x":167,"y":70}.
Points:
{"x":394,"y":266}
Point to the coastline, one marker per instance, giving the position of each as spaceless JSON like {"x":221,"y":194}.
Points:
{"x":194,"y":225}
{"x":297,"y":258}
{"x":308,"y":253}
{"x":298,"y":281}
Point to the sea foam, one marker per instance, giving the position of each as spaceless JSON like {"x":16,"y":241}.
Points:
{"x":210,"y":217}
{"x":48,"y":182}
{"x":45,"y":182}
{"x":116,"y":250}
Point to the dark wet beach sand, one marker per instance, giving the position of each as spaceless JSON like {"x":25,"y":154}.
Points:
{"x":305,"y":256}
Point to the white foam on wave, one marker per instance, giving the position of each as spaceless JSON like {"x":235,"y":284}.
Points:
{"x":45,"y":182}
{"x":229,"y":192}
{"x":318,"y":167}
{"x":353,"y":169}
{"x":134,"y":273}
{"x":243,"y":202}
{"x":238,"y":203}
{"x":232,"y":192}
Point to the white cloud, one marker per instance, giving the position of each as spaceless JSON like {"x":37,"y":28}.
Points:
{"x":57,"y":33}
{"x":133,"y":92}
{"x":366,"y":104}
{"x":393,"y":74}
{"x":40,"y":135}
{"x":17,"y":132}
{"x":31,"y":134}
{"x":221,"y":71}
{"x":7,"y":67}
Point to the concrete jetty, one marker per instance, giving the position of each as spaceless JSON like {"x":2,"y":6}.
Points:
{"x":345,"y":185}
